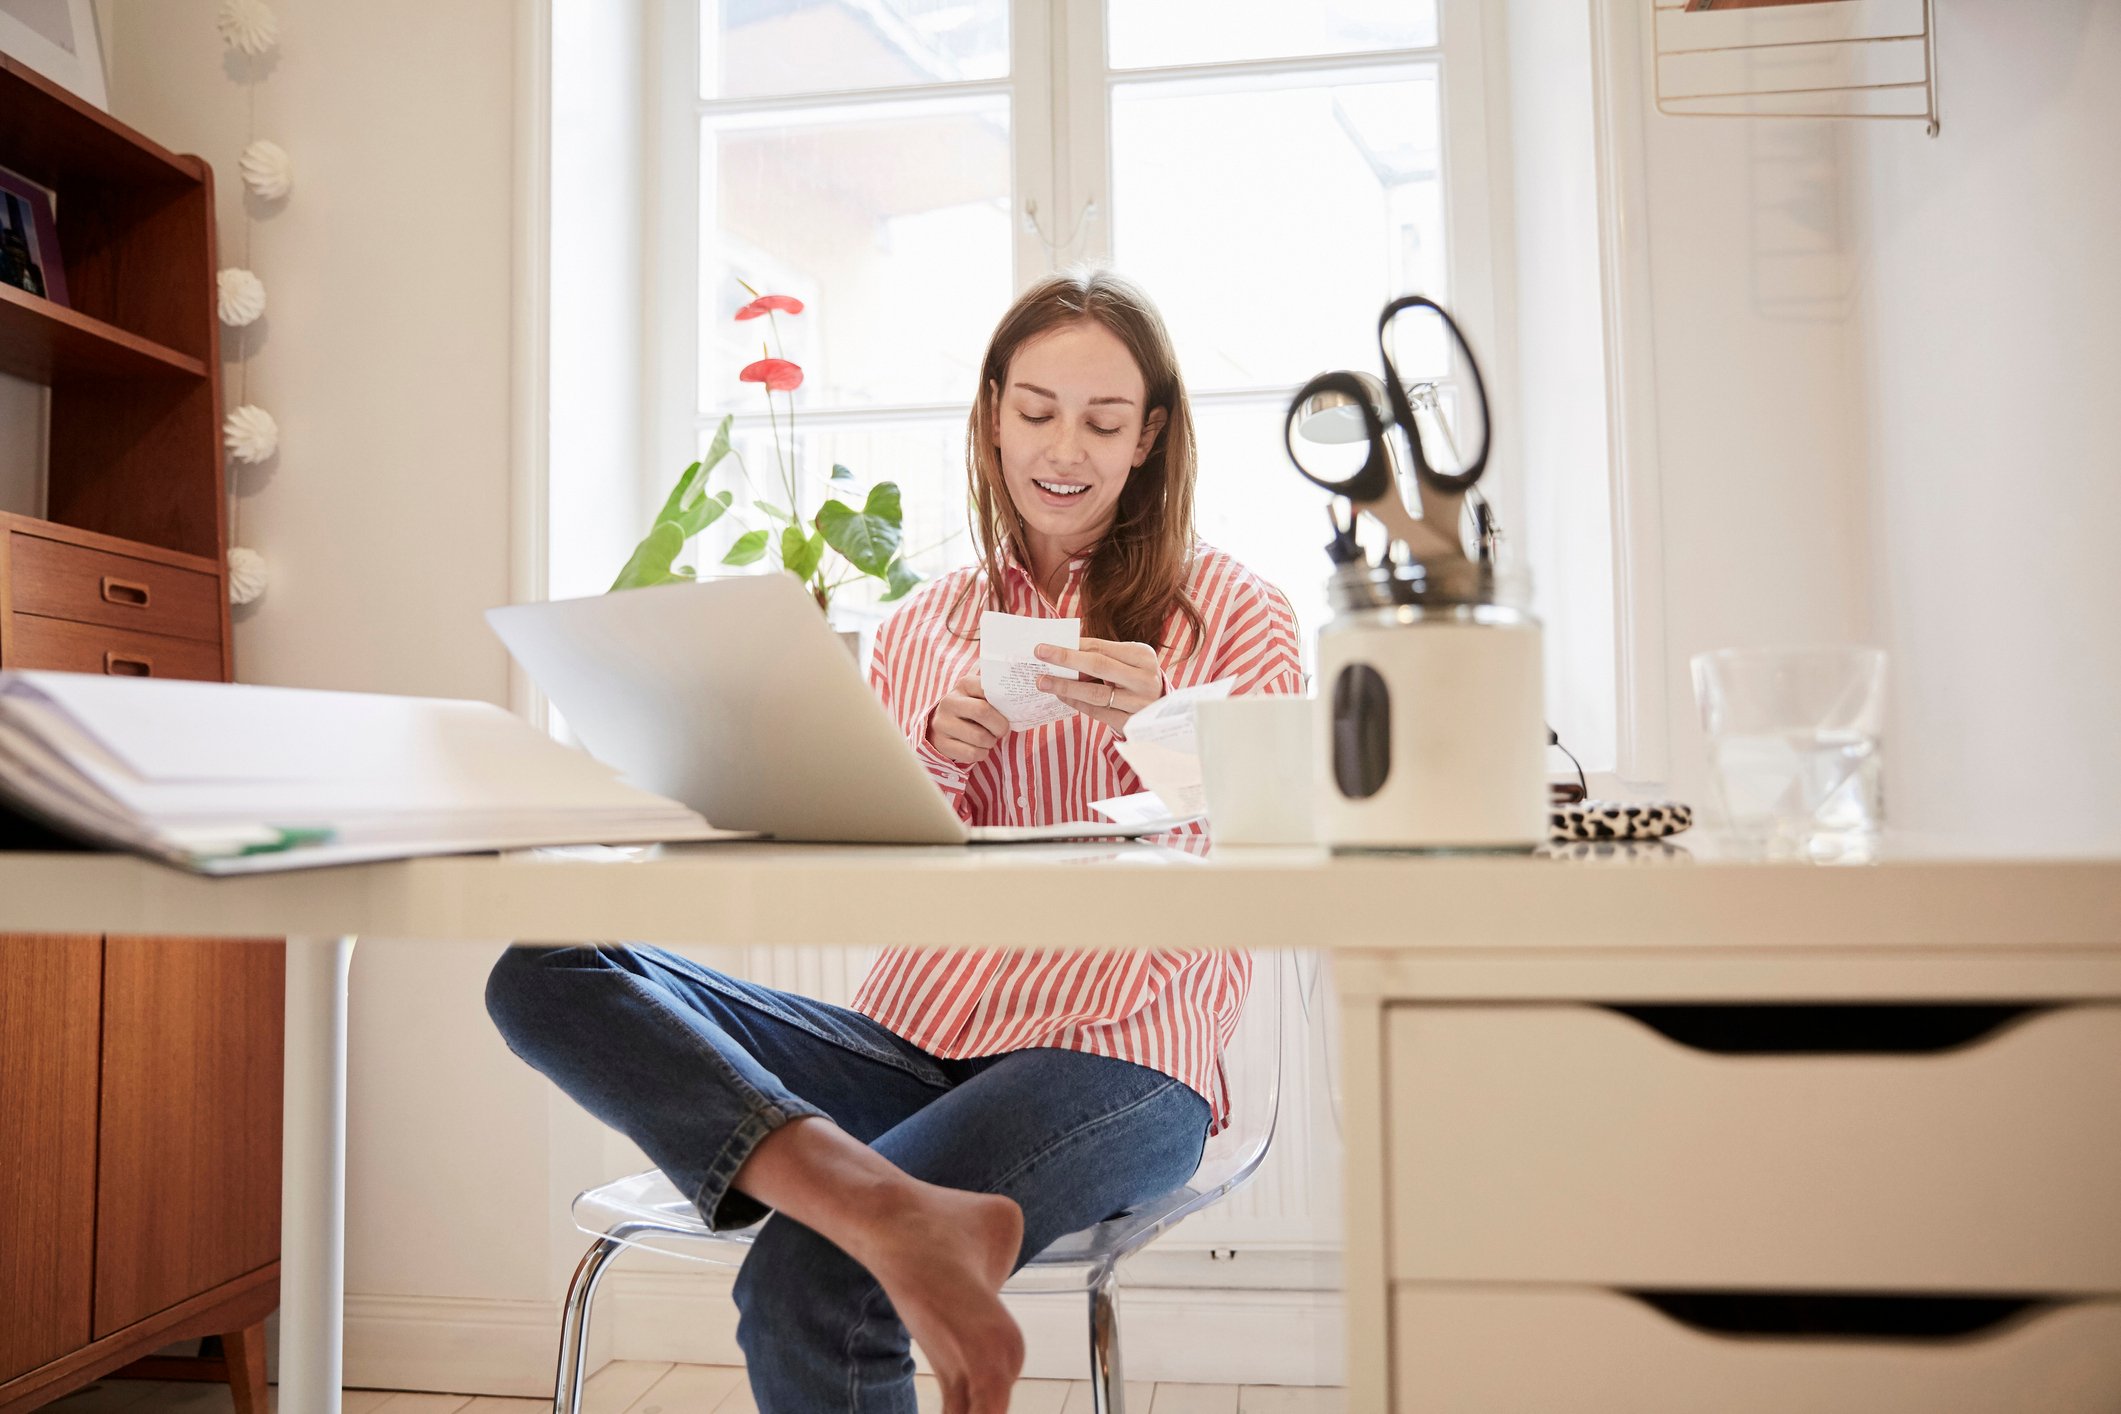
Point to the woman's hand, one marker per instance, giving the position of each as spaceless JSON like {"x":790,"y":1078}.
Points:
{"x":965,"y":725}
{"x":1118,"y":679}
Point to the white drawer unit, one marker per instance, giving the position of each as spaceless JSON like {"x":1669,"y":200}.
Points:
{"x":1462,"y":1349}
{"x":1577,"y":1144}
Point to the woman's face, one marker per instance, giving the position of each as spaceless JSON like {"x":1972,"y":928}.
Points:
{"x":1069,"y":430}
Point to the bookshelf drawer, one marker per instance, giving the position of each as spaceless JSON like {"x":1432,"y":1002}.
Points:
{"x":60,"y":646}
{"x":55,"y":580}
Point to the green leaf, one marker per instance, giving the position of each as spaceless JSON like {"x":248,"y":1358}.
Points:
{"x":689,"y":480}
{"x":719,"y":447}
{"x":705,"y":512}
{"x":840,"y":473}
{"x":883,"y":503}
{"x":869,"y":541}
{"x":650,"y":562}
{"x":799,"y":553}
{"x":903,"y":581}
{"x":775,"y":511}
{"x":749,"y":549}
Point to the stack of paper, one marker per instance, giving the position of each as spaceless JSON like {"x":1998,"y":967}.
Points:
{"x":224,"y":778}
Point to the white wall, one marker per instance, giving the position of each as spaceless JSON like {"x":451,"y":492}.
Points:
{"x":1758,"y":404}
{"x":385,"y":357}
{"x":1991,"y":298}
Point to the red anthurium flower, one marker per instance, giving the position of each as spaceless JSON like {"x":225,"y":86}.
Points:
{"x":778,"y":374}
{"x":786,"y":304}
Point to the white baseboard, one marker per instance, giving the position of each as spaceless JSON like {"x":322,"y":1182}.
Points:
{"x":1187,"y":1336}
{"x":457,"y":1345}
{"x":1185,"y":1332}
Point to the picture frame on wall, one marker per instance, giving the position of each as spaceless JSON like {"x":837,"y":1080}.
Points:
{"x":58,"y":39}
{"x":29,"y":240}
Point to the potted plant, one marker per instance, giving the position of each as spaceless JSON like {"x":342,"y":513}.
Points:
{"x":837,"y":544}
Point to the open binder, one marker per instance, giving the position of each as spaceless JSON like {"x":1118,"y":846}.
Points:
{"x":224,"y":778}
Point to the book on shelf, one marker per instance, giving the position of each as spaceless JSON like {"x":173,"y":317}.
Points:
{"x":226,"y":778}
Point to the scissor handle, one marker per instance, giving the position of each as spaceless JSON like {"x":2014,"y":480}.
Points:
{"x":1370,"y":482}
{"x":1403,"y":407}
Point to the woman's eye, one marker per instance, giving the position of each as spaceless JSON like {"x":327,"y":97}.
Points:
{"x":1035,"y":420}
{"x":1104,"y":431}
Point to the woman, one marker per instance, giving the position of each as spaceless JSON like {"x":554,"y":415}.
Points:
{"x":972,"y":1105}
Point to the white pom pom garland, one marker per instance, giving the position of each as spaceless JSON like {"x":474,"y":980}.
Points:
{"x":242,"y":297}
{"x":247,"y":26}
{"x":250,"y":434}
{"x":267,"y":170}
{"x":247,"y":576}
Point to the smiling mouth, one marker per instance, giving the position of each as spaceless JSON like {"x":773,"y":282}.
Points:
{"x":1060,"y":488}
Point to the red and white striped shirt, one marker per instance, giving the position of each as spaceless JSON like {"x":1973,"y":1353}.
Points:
{"x":1171,"y":1010}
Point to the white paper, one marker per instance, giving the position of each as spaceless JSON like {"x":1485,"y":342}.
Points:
{"x":1144,"y":807}
{"x":1009,"y":671}
{"x":1162,"y":748}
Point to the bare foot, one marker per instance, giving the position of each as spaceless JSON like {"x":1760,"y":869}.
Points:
{"x":942,"y":1255}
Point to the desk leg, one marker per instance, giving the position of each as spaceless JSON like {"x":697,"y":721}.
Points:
{"x":313,"y":1176}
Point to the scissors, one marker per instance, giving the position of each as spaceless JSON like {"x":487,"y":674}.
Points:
{"x":1374,"y":486}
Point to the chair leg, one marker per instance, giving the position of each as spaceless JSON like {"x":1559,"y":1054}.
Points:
{"x":245,"y":1354}
{"x":1108,"y":1391}
{"x":574,"y":1324}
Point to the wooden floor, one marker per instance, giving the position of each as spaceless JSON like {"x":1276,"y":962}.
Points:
{"x":632,"y":1387}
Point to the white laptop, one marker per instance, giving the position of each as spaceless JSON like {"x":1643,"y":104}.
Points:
{"x":734,"y":697}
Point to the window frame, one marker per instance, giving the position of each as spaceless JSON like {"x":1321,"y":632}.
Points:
{"x":1059,"y":88}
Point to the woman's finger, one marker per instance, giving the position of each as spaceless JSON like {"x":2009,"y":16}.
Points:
{"x":1108,"y":702}
{"x":989,"y":717}
{"x":1130,"y":676}
{"x":973,"y":726}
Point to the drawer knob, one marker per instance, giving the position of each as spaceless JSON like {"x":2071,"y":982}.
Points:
{"x":123,"y":665}
{"x":124,"y":591}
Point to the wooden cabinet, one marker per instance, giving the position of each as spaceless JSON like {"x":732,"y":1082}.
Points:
{"x":139,"y":1078}
{"x":140,"y":1124}
{"x":50,"y":989}
{"x":188,"y":1181}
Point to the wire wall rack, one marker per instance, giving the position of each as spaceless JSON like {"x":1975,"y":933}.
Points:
{"x":1874,"y":60}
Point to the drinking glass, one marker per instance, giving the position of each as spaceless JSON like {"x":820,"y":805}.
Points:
{"x":1794,"y":752}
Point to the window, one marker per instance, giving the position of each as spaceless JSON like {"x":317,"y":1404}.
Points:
{"x":1272,"y":173}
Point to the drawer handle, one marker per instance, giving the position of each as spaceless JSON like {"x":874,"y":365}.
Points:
{"x":1878,"y":1317}
{"x":1832,"y":1029}
{"x":124,"y":591}
{"x":124,"y":665}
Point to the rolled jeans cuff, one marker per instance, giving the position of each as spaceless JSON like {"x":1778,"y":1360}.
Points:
{"x":722,"y":1207}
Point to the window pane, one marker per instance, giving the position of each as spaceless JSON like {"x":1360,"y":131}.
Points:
{"x":925,"y":456}
{"x":1271,"y":220}
{"x":1251,"y":503}
{"x":751,"y":48}
{"x":891,"y":224}
{"x":1149,"y":33}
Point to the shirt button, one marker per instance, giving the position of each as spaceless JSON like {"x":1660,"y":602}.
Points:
{"x":1023,"y":800}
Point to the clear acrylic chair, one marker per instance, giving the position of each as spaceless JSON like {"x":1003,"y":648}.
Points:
{"x":647,"y":1211}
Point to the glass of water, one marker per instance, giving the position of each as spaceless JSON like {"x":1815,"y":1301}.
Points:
{"x":1793,"y":737}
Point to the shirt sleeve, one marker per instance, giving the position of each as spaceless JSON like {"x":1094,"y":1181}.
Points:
{"x":1257,"y":643}
{"x":914,"y":710}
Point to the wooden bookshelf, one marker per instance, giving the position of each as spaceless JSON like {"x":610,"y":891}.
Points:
{"x":139,"y":1078}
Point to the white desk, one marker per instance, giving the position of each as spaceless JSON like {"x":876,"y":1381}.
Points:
{"x":1934,"y":921}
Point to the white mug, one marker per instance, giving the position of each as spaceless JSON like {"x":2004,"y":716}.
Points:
{"x":1256,"y":766}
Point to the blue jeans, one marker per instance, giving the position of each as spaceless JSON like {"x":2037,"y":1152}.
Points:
{"x":697,"y":1068}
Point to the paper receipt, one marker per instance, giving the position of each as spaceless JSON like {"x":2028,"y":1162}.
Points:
{"x":1009,"y":671}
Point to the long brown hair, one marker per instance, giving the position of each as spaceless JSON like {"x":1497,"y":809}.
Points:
{"x":1136,"y":578}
